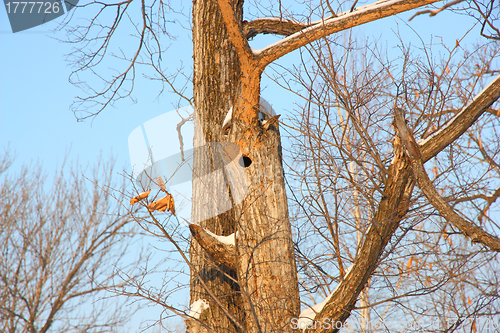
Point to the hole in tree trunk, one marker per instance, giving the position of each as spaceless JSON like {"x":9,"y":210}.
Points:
{"x":245,"y":161}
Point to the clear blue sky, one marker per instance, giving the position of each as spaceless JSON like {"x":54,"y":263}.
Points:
{"x":35,"y":95}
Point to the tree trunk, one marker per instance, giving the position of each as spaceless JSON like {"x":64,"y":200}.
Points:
{"x":216,"y":85}
{"x":266,"y":296}
{"x":266,"y":263}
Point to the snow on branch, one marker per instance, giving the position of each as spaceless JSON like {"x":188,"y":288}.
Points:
{"x":342,"y":21}
{"x":307,"y":316}
{"x":471,"y":230}
{"x":220,"y":248}
{"x":457,"y":125}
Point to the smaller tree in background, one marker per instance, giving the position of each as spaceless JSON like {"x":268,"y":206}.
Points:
{"x":62,"y":245}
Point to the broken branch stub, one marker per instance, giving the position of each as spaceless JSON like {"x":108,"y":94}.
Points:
{"x":222,"y":253}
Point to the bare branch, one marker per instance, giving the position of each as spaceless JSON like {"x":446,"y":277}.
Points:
{"x":343,"y":21}
{"x":432,"y":145}
{"x":476,"y":234}
{"x":271,"y":25}
{"x":434,"y":12}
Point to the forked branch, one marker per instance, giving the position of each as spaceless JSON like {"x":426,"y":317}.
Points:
{"x":471,"y":230}
{"x":434,"y":12}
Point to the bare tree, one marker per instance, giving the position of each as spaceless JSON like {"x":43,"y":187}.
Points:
{"x":62,"y":242}
{"x":336,"y":178}
{"x":364,"y":191}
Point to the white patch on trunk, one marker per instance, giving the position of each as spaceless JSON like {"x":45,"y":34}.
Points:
{"x":198,"y":307}
{"x":229,"y":115}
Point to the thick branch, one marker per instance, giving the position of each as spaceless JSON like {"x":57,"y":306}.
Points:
{"x":432,"y":145}
{"x":329,"y":26}
{"x":271,"y":25}
{"x":240,"y":43}
{"x":476,"y":234}
{"x":222,"y":253}
{"x":392,"y":208}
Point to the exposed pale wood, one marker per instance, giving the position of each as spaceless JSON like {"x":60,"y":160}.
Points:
{"x":271,"y":121}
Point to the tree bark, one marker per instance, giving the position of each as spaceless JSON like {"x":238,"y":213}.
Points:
{"x":266,"y":296}
{"x":216,"y":87}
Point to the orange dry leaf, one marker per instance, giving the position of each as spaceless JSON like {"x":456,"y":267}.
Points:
{"x":163,"y":204}
{"x":473,"y":327}
{"x":447,"y":70}
{"x":410,"y":263}
{"x":139,"y":197}
{"x":435,"y":171}
{"x":468,"y":300}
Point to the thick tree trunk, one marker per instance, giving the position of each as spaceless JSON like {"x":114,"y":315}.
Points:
{"x":266,"y":263}
{"x":266,"y":296}
{"x":217,"y":86}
